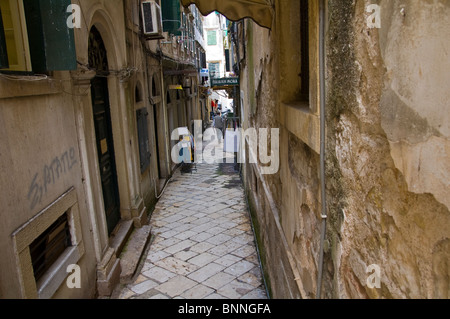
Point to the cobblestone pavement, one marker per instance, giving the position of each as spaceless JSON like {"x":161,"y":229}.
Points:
{"x":203,"y":244}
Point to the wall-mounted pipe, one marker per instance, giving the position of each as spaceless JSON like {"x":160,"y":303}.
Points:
{"x":324,"y":215}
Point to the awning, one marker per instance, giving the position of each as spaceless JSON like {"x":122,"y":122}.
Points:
{"x":260,"y":11}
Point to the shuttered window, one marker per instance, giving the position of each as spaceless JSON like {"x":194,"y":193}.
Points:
{"x":212,"y":37}
{"x":227,"y":60}
{"x":171,"y":15}
{"x":144,"y":145}
{"x":36,"y":35}
{"x":49,"y":246}
{"x":52,"y":42}
{"x":14,"y":30}
{"x":214,"y":70}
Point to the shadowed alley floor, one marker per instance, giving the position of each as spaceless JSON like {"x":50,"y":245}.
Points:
{"x":203,"y":245}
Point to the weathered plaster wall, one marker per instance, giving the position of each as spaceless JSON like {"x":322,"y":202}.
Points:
{"x":36,"y":133}
{"x":47,"y":122}
{"x":285,"y":205}
{"x":415,"y":101}
{"x":259,"y":84}
{"x":387,"y":156}
{"x":388,"y":149}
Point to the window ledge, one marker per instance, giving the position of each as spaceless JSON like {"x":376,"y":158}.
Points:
{"x":55,"y":276}
{"x":300,"y":121}
{"x":300,"y":105}
{"x":20,"y":86}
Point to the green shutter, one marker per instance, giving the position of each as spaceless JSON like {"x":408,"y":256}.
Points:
{"x":144,"y":142}
{"x":227,"y":60}
{"x":3,"y":53}
{"x":52,"y":42}
{"x":171,"y":14}
{"x":212,"y":38}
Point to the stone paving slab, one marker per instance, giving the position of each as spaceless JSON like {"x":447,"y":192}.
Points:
{"x":203,"y":244}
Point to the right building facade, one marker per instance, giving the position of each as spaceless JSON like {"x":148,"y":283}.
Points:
{"x":359,"y":207}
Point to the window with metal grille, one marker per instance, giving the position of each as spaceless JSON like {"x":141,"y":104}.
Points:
{"x":49,"y":246}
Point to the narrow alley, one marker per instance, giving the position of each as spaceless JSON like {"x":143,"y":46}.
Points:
{"x":203,"y":245}
{"x":331,"y":178}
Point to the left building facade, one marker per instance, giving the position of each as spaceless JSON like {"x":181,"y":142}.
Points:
{"x":84,"y":140}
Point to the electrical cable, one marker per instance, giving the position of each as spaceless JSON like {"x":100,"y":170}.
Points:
{"x":29,"y":78}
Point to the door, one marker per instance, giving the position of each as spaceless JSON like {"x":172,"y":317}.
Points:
{"x":105,"y":149}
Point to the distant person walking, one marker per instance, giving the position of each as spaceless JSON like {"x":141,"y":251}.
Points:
{"x":218,"y":124}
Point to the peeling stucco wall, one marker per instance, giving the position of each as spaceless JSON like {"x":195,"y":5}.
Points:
{"x":285,"y":205}
{"x":388,"y":151}
{"x":415,"y":100}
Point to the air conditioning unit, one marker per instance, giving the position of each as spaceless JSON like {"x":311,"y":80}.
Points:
{"x":151,"y":18}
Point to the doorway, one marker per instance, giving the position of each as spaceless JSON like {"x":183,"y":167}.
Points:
{"x":103,"y":129}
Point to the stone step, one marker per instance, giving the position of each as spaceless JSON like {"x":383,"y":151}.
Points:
{"x":121,"y":235}
{"x":133,"y":252}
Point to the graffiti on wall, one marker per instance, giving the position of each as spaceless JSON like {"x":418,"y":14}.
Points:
{"x":49,"y":175}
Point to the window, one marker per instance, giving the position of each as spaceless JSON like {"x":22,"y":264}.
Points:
{"x":203,"y":60}
{"x":15,"y":35}
{"x":154,"y":92}
{"x":212,"y":37}
{"x":171,"y":16}
{"x":36,"y":36}
{"x":49,"y":246}
{"x":304,"y":50}
{"x":214,"y":70}
{"x":4,"y":63}
{"x":227,"y":60}
{"x":46,"y":245}
{"x":138,"y":93}
{"x":300,"y":91}
{"x":298,"y":35}
{"x":185,"y":32}
{"x":144,"y":143}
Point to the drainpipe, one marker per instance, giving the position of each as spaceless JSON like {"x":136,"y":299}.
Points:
{"x":322,"y":141}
